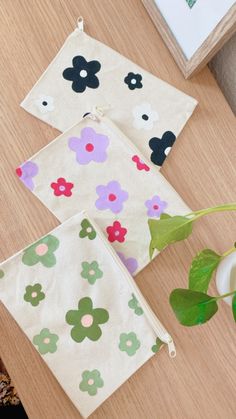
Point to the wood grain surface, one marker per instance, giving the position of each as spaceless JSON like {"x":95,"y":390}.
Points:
{"x":217,"y":38}
{"x":200,"y":382}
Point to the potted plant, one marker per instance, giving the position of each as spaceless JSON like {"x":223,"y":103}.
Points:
{"x":193,"y":305}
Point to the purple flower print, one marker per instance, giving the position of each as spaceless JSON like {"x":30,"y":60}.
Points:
{"x":111,"y":197}
{"x":90,"y":146}
{"x":155,"y":206}
{"x":26,"y":172}
{"x":130,"y":263}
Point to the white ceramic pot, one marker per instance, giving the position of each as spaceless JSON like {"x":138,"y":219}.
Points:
{"x":226,"y":276}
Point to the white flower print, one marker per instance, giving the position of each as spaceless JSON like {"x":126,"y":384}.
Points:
{"x":45,"y":103}
{"x":144,"y":116}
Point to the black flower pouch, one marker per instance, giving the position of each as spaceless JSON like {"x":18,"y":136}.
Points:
{"x":86,"y":73}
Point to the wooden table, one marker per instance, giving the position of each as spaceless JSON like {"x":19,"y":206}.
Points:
{"x":201,"y":381}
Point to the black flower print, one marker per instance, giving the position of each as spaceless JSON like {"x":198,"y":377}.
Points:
{"x":161,"y":146}
{"x":133,"y":81}
{"x":82,"y":74}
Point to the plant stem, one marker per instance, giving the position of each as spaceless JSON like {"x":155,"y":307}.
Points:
{"x":218,"y":298}
{"x":225,"y":295}
{"x":233,"y":249}
{"x":225,"y":207}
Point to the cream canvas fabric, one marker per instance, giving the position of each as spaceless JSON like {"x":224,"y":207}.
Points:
{"x":86,"y":73}
{"x":94,"y":166}
{"x":81,"y":310}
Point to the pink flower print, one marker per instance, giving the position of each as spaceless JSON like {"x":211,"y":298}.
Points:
{"x":140,"y":164}
{"x":116,"y":232}
{"x":61,"y":187}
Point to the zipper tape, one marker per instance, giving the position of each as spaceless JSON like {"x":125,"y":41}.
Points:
{"x":157,"y":326}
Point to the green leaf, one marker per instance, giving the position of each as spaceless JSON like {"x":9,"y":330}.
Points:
{"x":169,"y":230}
{"x":191,"y":307}
{"x":151,"y":246}
{"x":202,"y":268}
{"x":151,"y":250}
{"x":234,"y":306}
{"x":163,"y":216}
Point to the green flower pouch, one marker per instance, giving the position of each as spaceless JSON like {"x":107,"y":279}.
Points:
{"x":94,"y":166}
{"x":104,"y":330}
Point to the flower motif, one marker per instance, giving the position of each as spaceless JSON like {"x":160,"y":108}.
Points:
{"x":161,"y":147}
{"x":144,"y":116}
{"x":157,"y":346}
{"x":1,"y":273}
{"x":61,"y":187}
{"x":87,"y":230}
{"x":86,"y":320}
{"x":116,"y":232}
{"x":133,"y":81}
{"x":91,"y":271}
{"x":140,"y":164}
{"x":42,"y":251}
{"x":129,"y":343}
{"x":26,"y":172}
{"x":155,"y":206}
{"x":91,"y":146}
{"x":111,"y":197}
{"x":91,"y":381}
{"x":46,"y":342}
{"x":34,"y":294}
{"x":45,"y":104}
{"x":134,"y":305}
{"x":82,"y":74}
{"x":130,"y":263}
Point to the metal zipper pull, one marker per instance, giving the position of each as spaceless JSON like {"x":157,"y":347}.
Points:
{"x":80,"y":23}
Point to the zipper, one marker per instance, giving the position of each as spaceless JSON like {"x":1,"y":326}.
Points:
{"x":157,"y":326}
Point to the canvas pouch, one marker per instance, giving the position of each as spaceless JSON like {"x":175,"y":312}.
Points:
{"x":94,"y":166}
{"x":81,"y":309}
{"x":87,"y":73}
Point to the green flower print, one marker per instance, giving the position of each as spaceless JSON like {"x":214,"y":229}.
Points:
{"x":86,"y":320}
{"x":1,"y":273}
{"x":157,"y":346}
{"x":129,"y":343}
{"x":91,"y":381}
{"x":34,"y":294}
{"x":42,"y":251}
{"x":46,"y":342}
{"x":87,"y":230}
{"x":134,"y":304}
{"x":91,"y":271}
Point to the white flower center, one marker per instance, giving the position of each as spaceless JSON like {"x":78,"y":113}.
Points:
{"x":83,"y":73}
{"x":167,"y":150}
{"x":133,"y":81}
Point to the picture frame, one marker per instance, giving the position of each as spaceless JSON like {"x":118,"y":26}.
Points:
{"x":190,"y":62}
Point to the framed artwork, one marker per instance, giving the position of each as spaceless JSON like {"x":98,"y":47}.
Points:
{"x":193,"y":30}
